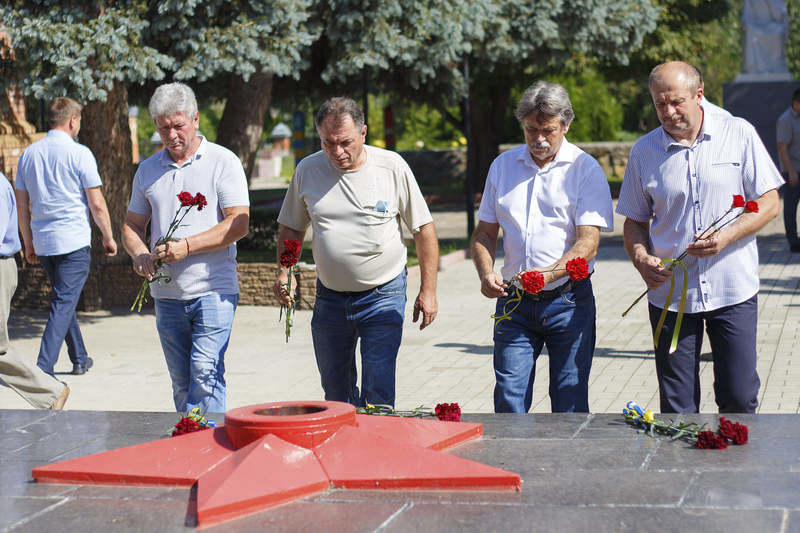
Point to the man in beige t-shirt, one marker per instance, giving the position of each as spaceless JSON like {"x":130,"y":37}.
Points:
{"x":354,"y":196}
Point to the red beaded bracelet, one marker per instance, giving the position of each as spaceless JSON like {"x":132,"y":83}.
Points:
{"x":188,"y":252}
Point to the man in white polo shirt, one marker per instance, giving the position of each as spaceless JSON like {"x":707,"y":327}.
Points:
{"x":195,"y":308}
{"x":354,"y":197}
{"x":552,"y":200}
{"x":680,"y":178}
{"x":58,"y":179}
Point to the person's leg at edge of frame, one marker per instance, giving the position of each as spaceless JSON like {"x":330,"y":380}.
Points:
{"x":67,"y":274}
{"x":334,"y":339}
{"x":378,"y":316}
{"x":175,"y":334}
{"x":678,"y":373}
{"x":517,"y":345}
{"x":29,"y":381}
{"x":211,"y":317}
{"x":791,"y":197}
{"x":570,"y":340}
{"x":732,"y":334}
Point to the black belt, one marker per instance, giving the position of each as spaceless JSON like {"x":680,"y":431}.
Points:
{"x":553,"y":293}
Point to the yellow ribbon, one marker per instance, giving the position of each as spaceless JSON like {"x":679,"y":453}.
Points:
{"x":516,"y":299}
{"x":674,"y":343}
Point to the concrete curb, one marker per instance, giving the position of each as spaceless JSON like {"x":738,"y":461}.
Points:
{"x":444,"y":261}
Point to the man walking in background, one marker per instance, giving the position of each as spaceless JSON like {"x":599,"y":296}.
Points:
{"x":57,"y":186}
{"x":38,"y":388}
{"x":788,"y":137}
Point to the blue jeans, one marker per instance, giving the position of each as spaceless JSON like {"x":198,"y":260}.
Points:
{"x":732,"y":335}
{"x":340,"y":319}
{"x":67,"y":274}
{"x":194,"y":336}
{"x":566,"y":325}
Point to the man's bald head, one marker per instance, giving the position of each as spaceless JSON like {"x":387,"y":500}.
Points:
{"x":674,"y":73}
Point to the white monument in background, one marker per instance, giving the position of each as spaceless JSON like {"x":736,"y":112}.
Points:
{"x":766,"y":28}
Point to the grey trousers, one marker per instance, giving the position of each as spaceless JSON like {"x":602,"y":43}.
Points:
{"x":31,"y":382}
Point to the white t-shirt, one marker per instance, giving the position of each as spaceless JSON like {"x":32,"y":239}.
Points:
{"x":216,"y":173}
{"x":540,"y":209}
{"x":355,"y":216}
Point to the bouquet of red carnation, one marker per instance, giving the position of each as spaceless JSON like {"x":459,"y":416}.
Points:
{"x":532,"y":281}
{"x":193,"y":421}
{"x":288,"y":259}
{"x":187,"y":202}
{"x":447,"y":412}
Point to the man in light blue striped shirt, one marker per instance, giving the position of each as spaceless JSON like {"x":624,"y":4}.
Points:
{"x":680,"y":178}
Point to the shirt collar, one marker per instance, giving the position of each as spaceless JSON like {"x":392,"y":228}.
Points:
{"x":167,"y":161}
{"x":707,"y":130}
{"x":566,"y":155}
{"x":60,"y":133}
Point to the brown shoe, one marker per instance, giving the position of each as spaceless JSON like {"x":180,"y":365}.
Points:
{"x":61,"y":400}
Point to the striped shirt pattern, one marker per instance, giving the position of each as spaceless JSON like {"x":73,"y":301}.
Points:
{"x":681,"y":190}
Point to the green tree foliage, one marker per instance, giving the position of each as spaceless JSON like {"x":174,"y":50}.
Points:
{"x":90,"y":51}
{"x":237,"y":46}
{"x":705,"y":33}
{"x":598,"y":114}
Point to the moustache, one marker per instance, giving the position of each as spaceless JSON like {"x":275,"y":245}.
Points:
{"x":543,"y":144}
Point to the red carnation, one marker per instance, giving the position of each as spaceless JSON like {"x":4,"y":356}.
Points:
{"x":532,"y":281}
{"x":187,"y":200}
{"x":751,"y":207}
{"x":293,"y":246}
{"x":708,"y":440}
{"x":733,"y":431}
{"x":186,"y":425}
{"x":448,"y":412}
{"x":738,"y":200}
{"x":577,"y":269}
{"x":200,"y":201}
{"x":291,"y":253}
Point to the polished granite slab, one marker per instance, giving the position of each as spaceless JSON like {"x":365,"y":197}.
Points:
{"x":580,"y":473}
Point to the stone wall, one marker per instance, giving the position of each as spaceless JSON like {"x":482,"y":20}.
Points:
{"x":111,"y":286}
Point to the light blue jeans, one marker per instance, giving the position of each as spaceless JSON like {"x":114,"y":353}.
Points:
{"x":375,"y":317}
{"x":194,"y":336}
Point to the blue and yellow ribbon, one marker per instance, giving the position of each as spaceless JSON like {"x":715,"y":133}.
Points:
{"x":676,"y":330}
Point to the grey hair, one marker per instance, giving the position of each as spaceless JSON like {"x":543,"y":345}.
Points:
{"x":170,"y":98}
{"x":550,"y":99}
{"x":339,"y":107}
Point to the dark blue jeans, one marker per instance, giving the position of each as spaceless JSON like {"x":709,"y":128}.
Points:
{"x":566,"y":325}
{"x":375,"y":317}
{"x":732,"y":335}
{"x":67,"y":274}
{"x":791,"y":197}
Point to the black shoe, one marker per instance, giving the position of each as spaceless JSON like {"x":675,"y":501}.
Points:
{"x":80,"y":369}
{"x":795,"y":248}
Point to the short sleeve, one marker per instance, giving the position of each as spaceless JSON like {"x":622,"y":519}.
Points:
{"x":633,"y":201}
{"x":138,"y":203}
{"x":293,"y":213}
{"x":486,"y":211}
{"x":594,"y":202}
{"x":760,"y":174}
{"x":87,"y":169}
{"x":412,"y":206}
{"x":232,"y":185}
{"x":22,"y":173}
{"x":783,"y":130}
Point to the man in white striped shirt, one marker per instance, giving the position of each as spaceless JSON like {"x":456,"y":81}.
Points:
{"x":680,"y":178}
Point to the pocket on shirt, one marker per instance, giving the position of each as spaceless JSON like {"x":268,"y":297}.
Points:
{"x":378,"y":227}
{"x":724,"y":164}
